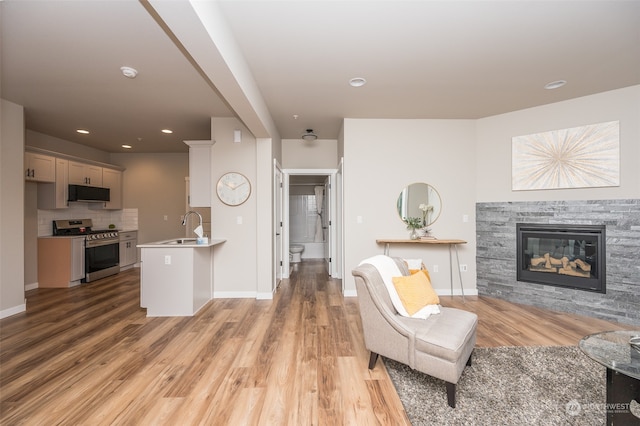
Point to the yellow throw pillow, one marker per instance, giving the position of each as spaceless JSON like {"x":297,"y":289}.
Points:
{"x":426,"y":272}
{"x":415,"y":292}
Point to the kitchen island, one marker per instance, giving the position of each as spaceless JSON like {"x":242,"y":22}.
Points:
{"x":176,"y":276}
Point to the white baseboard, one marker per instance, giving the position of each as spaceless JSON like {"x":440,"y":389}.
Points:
{"x":235,"y":295}
{"x":350,"y":293}
{"x":456,"y":292}
{"x":264,"y":296}
{"x":12,"y":311}
{"x":31,"y":286}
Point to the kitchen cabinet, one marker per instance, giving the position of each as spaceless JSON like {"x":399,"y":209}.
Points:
{"x":39,"y":167}
{"x":111,"y":179}
{"x":128,"y":249}
{"x":54,"y":195}
{"x":84,"y":174}
{"x":199,"y":173}
{"x":60,"y":261}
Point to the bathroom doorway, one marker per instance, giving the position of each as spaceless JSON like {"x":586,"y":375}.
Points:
{"x":310,"y":217}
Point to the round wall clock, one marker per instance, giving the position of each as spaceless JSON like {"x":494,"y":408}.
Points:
{"x":233,"y":188}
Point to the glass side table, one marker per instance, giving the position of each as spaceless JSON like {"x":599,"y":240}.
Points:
{"x":613,"y":350}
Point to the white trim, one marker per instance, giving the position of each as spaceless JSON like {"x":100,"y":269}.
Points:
{"x":456,"y":292}
{"x":235,"y":295}
{"x":350,"y":293}
{"x":264,"y":296}
{"x":31,"y":286}
{"x":12,"y":311}
{"x":330,"y":173}
{"x":310,"y":171}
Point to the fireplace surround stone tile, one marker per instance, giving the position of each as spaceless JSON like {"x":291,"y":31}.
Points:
{"x":496,"y":255}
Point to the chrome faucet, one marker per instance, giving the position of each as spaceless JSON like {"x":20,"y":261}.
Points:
{"x":184,"y":221}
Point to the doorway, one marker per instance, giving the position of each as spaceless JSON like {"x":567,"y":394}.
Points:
{"x":310,"y":217}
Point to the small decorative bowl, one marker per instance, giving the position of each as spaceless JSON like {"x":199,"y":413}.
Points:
{"x":635,"y":343}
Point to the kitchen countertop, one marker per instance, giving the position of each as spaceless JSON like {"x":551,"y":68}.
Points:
{"x":164,"y":243}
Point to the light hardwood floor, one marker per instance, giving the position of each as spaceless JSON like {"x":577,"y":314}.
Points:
{"x":89,"y":356}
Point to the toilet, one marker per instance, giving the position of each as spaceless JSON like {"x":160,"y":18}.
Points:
{"x":296,"y":251}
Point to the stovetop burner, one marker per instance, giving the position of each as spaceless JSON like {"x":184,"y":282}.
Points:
{"x":82,"y":227}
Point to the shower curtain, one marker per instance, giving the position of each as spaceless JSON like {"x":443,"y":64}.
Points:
{"x":319,"y":191}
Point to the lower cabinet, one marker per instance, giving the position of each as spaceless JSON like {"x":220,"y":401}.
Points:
{"x":60,"y":261}
{"x":128,"y":249}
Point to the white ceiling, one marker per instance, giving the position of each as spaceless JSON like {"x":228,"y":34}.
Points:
{"x":421,"y":59}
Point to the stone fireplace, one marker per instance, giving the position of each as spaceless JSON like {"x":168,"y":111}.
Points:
{"x":497,"y":255}
{"x":572,"y":256}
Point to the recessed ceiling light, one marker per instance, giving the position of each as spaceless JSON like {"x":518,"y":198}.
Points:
{"x":129,"y":72}
{"x":127,"y":146}
{"x":357,"y":82}
{"x":83,"y":131}
{"x":555,"y":84}
{"x":167,"y":131}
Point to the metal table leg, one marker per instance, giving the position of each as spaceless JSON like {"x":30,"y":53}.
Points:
{"x":459,"y":271}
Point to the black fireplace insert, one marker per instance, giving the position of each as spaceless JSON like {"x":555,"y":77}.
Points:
{"x":570,"y":256}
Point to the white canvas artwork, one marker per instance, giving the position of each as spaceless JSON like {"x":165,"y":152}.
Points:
{"x":579,"y":157}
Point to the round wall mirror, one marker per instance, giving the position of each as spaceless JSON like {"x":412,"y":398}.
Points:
{"x":419,"y":200}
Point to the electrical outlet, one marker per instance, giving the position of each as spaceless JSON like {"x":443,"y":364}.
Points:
{"x":465,"y":218}
{"x":167,"y":260}
{"x":435,"y":268}
{"x":239,"y":220}
{"x":463,"y":268}
{"x":166,"y":217}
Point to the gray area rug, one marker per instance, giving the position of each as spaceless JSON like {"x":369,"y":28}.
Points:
{"x":509,"y":386}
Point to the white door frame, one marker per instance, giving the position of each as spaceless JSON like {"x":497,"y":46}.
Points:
{"x":278,"y":208}
{"x":331,"y":173}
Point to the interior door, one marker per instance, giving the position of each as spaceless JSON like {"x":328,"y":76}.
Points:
{"x":278,"y":267}
{"x":326,"y":225}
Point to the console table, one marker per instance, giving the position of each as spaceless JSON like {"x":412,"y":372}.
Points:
{"x":431,"y":242}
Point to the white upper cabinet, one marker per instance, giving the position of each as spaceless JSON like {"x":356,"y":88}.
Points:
{"x":84,"y":174}
{"x":199,"y":173}
{"x":112,"y":179}
{"x":39,"y":167}
{"x":54,"y":195}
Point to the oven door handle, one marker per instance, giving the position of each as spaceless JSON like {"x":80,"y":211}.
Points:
{"x":98,"y":243}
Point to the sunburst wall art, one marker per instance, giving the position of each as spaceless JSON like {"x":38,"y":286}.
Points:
{"x":579,"y":157}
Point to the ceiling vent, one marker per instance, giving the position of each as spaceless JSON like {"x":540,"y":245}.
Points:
{"x":309,"y":136}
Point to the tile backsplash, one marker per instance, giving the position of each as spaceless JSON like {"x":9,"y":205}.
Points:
{"x":125,"y":219}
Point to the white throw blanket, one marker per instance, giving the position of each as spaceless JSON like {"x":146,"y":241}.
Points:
{"x":388,"y":269}
{"x":414,"y":263}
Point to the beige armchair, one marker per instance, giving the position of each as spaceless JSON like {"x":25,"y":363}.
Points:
{"x":439,"y":346}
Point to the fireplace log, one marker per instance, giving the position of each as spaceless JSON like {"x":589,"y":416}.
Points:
{"x":537,"y":261}
{"x":553,"y":260}
{"x":583,"y":265}
{"x":574,"y":272}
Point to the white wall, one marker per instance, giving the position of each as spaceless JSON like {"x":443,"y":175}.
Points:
{"x":235,"y":261}
{"x":12,"y":183}
{"x":381,"y":157}
{"x":319,"y":154}
{"x":493,"y":157}
{"x":62,"y":146}
{"x":154,"y":184}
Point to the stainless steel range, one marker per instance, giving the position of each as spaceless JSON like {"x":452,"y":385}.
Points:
{"x":102,"y":247}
